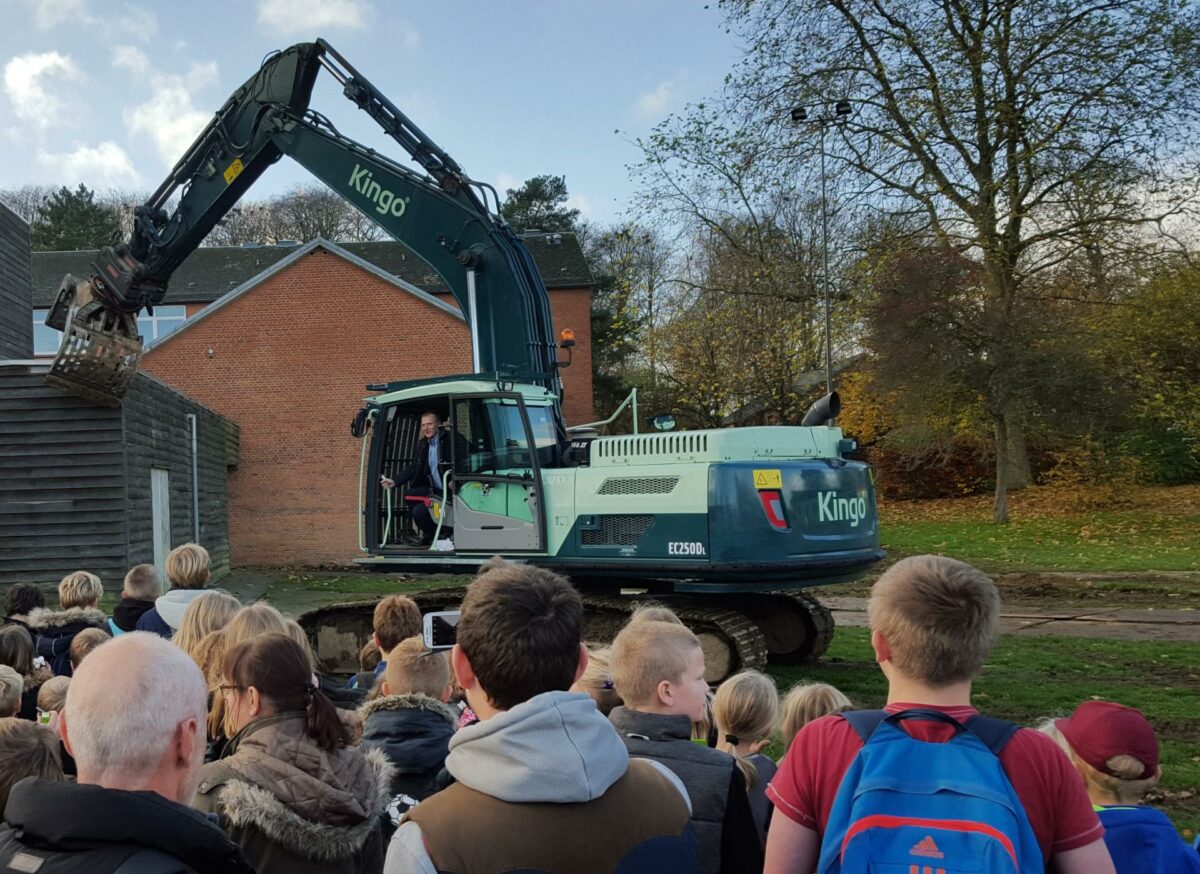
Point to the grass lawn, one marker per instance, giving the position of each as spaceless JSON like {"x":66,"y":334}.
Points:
{"x":1148,"y":529}
{"x":1031,"y":677}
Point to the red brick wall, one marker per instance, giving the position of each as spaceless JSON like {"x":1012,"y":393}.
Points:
{"x":290,"y":362}
{"x":572,"y":308}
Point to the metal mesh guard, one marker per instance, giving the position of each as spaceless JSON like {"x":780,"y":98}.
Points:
{"x":638,"y":485}
{"x":95,"y":365}
{"x":618,"y":531}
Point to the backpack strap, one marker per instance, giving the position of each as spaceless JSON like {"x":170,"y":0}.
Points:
{"x":864,"y":722}
{"x":995,"y":733}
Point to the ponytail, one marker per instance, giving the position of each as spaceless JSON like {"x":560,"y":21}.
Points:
{"x":322,"y":723}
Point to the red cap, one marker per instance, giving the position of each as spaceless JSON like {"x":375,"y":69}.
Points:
{"x":1099,"y":730}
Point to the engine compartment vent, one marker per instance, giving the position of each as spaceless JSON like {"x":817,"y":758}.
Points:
{"x":617,"y":530}
{"x":638,"y":485}
{"x":652,"y":444}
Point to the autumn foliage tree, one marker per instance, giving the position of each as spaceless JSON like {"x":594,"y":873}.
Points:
{"x":984,"y":119}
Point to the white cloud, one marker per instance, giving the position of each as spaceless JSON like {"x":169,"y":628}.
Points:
{"x":26,"y":86}
{"x":103,"y":166}
{"x":49,"y":14}
{"x":505,"y":181}
{"x":139,"y":22}
{"x":581,"y":203}
{"x":655,"y":103}
{"x":130,"y":58}
{"x":307,"y":17}
{"x":169,"y":118}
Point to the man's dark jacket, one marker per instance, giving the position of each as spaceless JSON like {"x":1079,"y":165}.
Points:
{"x":417,"y":475}
{"x":53,"y":827}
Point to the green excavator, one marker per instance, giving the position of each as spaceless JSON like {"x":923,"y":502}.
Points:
{"x":731,"y":528}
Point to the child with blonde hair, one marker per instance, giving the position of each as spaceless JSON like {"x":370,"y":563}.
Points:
{"x":805,"y":702}
{"x":188,"y":572}
{"x":746,"y":712}
{"x":79,"y":595}
{"x":411,"y":722}
{"x":658,"y":670}
{"x":1115,"y":750}
{"x":12,"y":685}
{"x":597,"y":680}
{"x":210,"y":611}
{"x":141,"y":587}
{"x":934,"y":622}
{"x":83,"y":644}
{"x":52,"y":694}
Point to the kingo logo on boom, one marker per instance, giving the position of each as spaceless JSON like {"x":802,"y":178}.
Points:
{"x":831,"y":508}
{"x":385,"y":201}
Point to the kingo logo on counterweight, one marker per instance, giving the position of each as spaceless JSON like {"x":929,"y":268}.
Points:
{"x":831,"y":508}
{"x":385,"y":201}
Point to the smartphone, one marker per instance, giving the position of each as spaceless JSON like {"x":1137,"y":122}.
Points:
{"x":441,"y":629}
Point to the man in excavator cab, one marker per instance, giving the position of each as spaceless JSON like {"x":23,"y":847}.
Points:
{"x":425,"y":477}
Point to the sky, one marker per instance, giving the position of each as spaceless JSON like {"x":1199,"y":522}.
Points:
{"x":111,"y":92}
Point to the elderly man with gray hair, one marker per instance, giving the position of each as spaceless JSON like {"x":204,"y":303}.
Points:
{"x":135,"y":722}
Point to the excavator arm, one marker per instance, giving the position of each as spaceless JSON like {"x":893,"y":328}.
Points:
{"x":438,"y":214}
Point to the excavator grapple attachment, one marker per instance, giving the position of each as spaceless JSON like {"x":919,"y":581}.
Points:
{"x":100,"y":349}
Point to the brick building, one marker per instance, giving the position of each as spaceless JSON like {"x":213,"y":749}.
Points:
{"x":284,"y":341}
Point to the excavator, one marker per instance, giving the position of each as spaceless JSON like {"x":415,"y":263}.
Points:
{"x":730,"y":528}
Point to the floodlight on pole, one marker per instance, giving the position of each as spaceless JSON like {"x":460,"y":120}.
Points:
{"x":837,"y":113}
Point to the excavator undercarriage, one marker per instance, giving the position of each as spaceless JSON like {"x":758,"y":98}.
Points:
{"x":737,"y":632}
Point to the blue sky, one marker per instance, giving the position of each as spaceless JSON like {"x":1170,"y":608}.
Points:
{"x":110,"y":92}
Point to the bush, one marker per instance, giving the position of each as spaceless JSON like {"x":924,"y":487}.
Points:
{"x":965,"y":466}
{"x":1161,"y":455}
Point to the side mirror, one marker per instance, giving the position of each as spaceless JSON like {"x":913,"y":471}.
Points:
{"x":362,"y":421}
{"x":663,"y":422}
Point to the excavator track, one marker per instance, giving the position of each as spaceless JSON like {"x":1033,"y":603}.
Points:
{"x":796,"y":627}
{"x":732,"y":641}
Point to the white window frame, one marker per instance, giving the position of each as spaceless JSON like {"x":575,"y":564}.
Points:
{"x":149,"y":325}
{"x":39,"y":324}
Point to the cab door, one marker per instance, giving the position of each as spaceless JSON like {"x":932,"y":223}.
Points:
{"x":498,"y":505}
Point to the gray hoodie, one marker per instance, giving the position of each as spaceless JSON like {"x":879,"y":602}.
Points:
{"x":555,"y":747}
{"x":174,"y":604}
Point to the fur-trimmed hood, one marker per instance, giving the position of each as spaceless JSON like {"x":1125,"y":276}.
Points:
{"x":43,"y":620}
{"x":316,"y":804}
{"x":413,"y":731}
{"x":411,"y":701}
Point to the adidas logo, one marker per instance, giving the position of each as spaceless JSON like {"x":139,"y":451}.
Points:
{"x":927,"y":848}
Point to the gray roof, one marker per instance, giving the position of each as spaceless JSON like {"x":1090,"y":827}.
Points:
{"x":211,"y":272}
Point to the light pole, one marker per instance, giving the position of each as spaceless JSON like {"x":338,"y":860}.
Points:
{"x":840,"y":112}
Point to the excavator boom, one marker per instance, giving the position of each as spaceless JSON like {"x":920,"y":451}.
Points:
{"x":437,"y":213}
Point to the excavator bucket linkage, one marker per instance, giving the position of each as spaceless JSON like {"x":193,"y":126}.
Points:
{"x":100,"y":349}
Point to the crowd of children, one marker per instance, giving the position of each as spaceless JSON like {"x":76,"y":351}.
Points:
{"x":526,"y":748}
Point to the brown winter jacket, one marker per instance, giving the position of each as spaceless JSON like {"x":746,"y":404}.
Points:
{"x":294,"y":807}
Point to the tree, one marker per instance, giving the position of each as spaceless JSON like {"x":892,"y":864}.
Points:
{"x":302,"y":213}
{"x":27,"y":200}
{"x":631,"y":265}
{"x":69,"y":220}
{"x":986,"y":118}
{"x":540,"y":204}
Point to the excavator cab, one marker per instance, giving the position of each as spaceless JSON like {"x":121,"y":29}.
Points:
{"x":500,"y":441}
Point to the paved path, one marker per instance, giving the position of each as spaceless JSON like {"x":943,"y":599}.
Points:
{"x":1107,"y":622}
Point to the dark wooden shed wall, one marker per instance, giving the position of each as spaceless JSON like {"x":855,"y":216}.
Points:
{"x":75,"y":478}
{"x":158,"y":433}
{"x":62,"y":484}
{"x":16,"y":318}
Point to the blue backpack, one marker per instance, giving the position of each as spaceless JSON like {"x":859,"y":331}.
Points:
{"x":907,"y":806}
